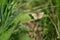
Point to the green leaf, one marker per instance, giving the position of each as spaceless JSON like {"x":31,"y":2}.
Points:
{"x":22,"y":18}
{"x":58,"y":14}
{"x":7,"y":33}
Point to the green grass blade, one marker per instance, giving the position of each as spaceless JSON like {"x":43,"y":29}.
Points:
{"x":58,"y":14}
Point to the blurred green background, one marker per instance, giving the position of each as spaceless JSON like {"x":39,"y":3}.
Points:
{"x":29,"y":19}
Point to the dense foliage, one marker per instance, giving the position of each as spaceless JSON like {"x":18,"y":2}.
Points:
{"x":29,"y":19}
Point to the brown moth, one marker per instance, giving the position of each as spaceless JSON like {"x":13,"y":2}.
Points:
{"x":38,"y":16}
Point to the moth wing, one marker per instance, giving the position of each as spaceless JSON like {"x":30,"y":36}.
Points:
{"x":40,"y":15}
{"x":35,"y":16}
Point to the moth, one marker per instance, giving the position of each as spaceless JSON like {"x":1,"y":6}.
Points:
{"x":38,"y":15}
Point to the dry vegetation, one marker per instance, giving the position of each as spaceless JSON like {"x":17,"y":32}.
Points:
{"x":29,"y":19}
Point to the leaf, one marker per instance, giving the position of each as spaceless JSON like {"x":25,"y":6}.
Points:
{"x":23,"y":35}
{"x":58,"y":14}
{"x":7,"y":33}
{"x":22,"y":18}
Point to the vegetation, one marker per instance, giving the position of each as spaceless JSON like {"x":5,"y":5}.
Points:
{"x":29,"y":19}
